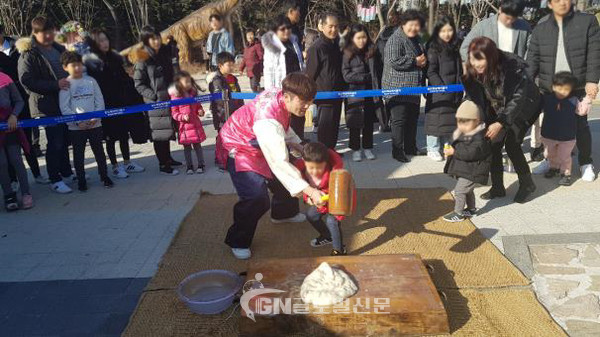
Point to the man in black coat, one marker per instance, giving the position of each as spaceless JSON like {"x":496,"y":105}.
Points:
{"x":568,"y":41}
{"x":42,"y":75}
{"x":324,"y":66}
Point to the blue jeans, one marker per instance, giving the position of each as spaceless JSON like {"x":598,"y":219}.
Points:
{"x":57,"y":153}
{"x":327,"y":226}
{"x":253,"y":191}
{"x":436,"y":144}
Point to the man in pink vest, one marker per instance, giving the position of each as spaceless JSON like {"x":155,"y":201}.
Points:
{"x":254,"y":145}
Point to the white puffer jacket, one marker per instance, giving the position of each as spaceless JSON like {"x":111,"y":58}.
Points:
{"x":274,"y":59}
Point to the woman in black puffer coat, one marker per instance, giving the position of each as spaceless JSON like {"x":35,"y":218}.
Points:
{"x":153,"y":74}
{"x":358,"y":69}
{"x":510,"y":102}
{"x":106,"y":66}
{"x":445,"y":68}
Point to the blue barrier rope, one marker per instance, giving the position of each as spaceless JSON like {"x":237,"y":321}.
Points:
{"x":47,"y":121}
{"x":370,"y":93}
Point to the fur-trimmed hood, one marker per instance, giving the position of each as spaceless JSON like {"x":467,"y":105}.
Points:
{"x":271,"y":42}
{"x":26,"y":44}
{"x":140,"y":54}
{"x":475,"y":131}
{"x":94,"y":62}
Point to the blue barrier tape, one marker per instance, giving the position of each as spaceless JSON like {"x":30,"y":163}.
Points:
{"x":370,"y":93}
{"x":47,"y":121}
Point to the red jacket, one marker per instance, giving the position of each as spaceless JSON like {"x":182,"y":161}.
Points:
{"x":192,"y":131}
{"x":335,"y":163}
{"x":253,"y":59}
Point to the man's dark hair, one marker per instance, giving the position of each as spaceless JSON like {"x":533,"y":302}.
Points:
{"x":215,"y":16}
{"x":315,"y":152}
{"x":69,"y":57}
{"x":564,"y":78}
{"x":280,"y":20}
{"x":42,"y":24}
{"x":147,"y":33}
{"x":301,"y":85}
{"x":513,"y":7}
{"x":224,"y":57}
{"x":249,"y":31}
{"x":324,"y":16}
{"x":411,"y":15}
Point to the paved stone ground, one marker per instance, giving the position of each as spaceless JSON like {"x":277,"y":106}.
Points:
{"x":106,"y":244}
{"x":567,"y":281}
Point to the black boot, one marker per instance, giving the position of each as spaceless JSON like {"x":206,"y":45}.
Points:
{"x":497,"y":190}
{"x":399,"y":155}
{"x":537,"y":154}
{"x":526,"y":188}
{"x":493,"y":193}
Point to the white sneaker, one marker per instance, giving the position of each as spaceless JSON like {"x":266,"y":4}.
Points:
{"x":542,"y":168}
{"x":133,"y":167}
{"x":42,"y":180}
{"x":369,"y":154}
{"x":61,"y":187}
{"x":435,"y":156}
{"x":189,"y":171}
{"x":296,"y":218}
{"x":241,"y":253}
{"x":357,"y":156}
{"x":587,"y":173}
{"x":120,"y":172}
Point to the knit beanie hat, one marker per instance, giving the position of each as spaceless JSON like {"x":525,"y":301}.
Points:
{"x":468,"y":110}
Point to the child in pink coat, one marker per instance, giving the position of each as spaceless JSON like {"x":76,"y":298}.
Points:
{"x":191,"y":131}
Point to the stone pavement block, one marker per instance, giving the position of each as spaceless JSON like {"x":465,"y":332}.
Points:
{"x":586,"y":306}
{"x":552,"y":254}
{"x":578,"y":328}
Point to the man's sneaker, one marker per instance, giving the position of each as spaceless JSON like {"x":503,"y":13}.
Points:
{"x":320,"y":241}
{"x":169,"y":171}
{"x":369,"y":154}
{"x":120,"y":172}
{"x":108,"y":183}
{"x":190,"y":170}
{"x":537,"y":154}
{"x":296,"y":218}
{"x":27,"y":201}
{"x":587,"y":173}
{"x":493,"y":193}
{"x":469,"y":213}
{"x":542,"y":168}
{"x":133,"y":167}
{"x":335,"y":252}
{"x":10,"y":202}
{"x":200,"y":169}
{"x":454,"y":217}
{"x":565,"y":180}
{"x":552,"y":173}
{"x":82,"y":186}
{"x":241,"y":253}
{"x":435,"y":156}
{"x":42,"y":180}
{"x":61,"y":187}
{"x":357,"y":156}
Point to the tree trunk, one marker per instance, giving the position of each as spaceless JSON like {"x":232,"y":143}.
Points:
{"x":380,"y":16}
{"x":432,"y":10}
{"x":118,"y":41}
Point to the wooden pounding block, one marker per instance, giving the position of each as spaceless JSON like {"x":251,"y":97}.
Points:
{"x":414,"y":305}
